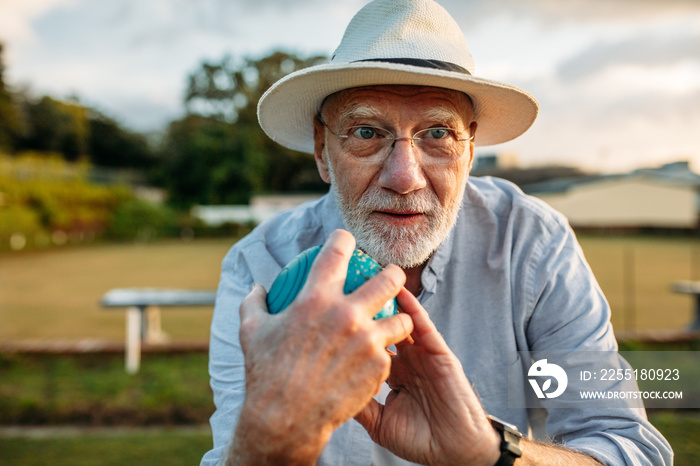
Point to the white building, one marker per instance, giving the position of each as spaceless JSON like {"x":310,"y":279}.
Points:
{"x":261,"y":207}
{"x":666,"y":197}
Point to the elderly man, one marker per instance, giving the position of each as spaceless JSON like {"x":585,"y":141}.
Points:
{"x":486,"y":277}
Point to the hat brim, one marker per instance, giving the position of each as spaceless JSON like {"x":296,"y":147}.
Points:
{"x":287,"y":109}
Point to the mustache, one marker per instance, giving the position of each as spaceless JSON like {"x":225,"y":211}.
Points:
{"x":423,"y":201}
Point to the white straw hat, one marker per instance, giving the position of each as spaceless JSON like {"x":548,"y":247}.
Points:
{"x":412,"y":42}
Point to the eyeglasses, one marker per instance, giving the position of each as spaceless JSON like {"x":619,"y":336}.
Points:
{"x":439,"y":145}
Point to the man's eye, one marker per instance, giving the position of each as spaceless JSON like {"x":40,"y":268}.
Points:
{"x":437,"y":133}
{"x":364,"y":132}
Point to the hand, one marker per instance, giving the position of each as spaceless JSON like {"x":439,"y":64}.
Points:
{"x":432,"y":415}
{"x":315,"y":365}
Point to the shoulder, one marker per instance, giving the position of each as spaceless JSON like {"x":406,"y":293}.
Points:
{"x":504,"y":203}
{"x":278,"y":240}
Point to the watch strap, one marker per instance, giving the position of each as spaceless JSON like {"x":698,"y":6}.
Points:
{"x":510,"y":441}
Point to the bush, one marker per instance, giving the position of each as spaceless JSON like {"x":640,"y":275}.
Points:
{"x":139,"y":220}
{"x":18,"y":219}
{"x":41,"y":195}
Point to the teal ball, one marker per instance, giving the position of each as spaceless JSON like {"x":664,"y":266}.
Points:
{"x":292,"y":277}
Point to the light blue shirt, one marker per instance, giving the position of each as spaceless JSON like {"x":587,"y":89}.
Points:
{"x":510,"y":278}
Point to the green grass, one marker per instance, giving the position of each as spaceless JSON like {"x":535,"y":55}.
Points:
{"x":682,"y":430}
{"x":55,"y":294}
{"x":162,"y":447}
{"x":93,"y":389}
{"x":178,"y":447}
{"x":170,"y":389}
{"x":636,"y":272}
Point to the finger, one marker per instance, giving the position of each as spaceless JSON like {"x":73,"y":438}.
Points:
{"x":424,"y":331}
{"x":395,"y":328}
{"x":331,"y":265}
{"x":381,"y":288}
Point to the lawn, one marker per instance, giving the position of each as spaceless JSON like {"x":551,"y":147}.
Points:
{"x":172,"y":447}
{"x":111,"y":414}
{"x":636,"y":273}
{"x":186,"y":446}
{"x":89,"y":392}
{"x":93,"y":390}
{"x":54,"y":294}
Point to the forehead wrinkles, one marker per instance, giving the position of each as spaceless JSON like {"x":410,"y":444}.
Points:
{"x":357,"y":110}
{"x":443,"y":114}
{"x":439,"y":113}
{"x":450,"y":107}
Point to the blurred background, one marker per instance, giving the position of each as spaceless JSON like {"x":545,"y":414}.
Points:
{"x":130,"y":156}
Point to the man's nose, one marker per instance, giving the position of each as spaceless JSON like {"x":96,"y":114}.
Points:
{"x":402,"y":171}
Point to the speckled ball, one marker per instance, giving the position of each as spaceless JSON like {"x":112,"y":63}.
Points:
{"x":292,"y":277}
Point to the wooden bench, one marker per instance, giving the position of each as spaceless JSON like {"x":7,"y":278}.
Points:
{"x":143,"y":314}
{"x":691,"y":288}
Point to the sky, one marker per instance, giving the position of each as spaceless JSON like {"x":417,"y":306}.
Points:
{"x":618,"y":81}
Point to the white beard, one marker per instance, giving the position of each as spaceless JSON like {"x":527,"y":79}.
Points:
{"x":406,"y":247}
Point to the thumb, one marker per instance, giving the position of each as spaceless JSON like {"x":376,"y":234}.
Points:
{"x":370,"y":418}
{"x":254,"y":306}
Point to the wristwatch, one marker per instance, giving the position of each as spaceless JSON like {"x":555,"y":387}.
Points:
{"x":510,"y":441}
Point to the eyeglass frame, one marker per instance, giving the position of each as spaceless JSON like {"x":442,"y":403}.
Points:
{"x":394,"y":139}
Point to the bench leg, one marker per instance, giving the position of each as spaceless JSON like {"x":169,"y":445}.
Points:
{"x":134,"y":316}
{"x":695,"y":325}
{"x":154,"y":333}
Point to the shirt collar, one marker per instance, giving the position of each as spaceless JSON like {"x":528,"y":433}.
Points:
{"x":436,"y":265}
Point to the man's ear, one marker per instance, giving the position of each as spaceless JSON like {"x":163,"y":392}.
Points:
{"x":320,"y":151}
{"x":472,"y":132}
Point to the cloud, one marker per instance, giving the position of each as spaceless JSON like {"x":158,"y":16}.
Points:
{"x":609,"y":10}
{"x":16,"y":21}
{"x":640,"y":49}
{"x":608,"y":73}
{"x":554,"y":12}
{"x":170,"y":22}
{"x":15,"y":17}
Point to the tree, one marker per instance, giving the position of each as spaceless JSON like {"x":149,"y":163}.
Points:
{"x":49,"y":125}
{"x":56,"y":126}
{"x":10,"y":123}
{"x":229,"y":92}
{"x":110,"y":145}
{"x":218,"y":153}
{"x":206,"y":163}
